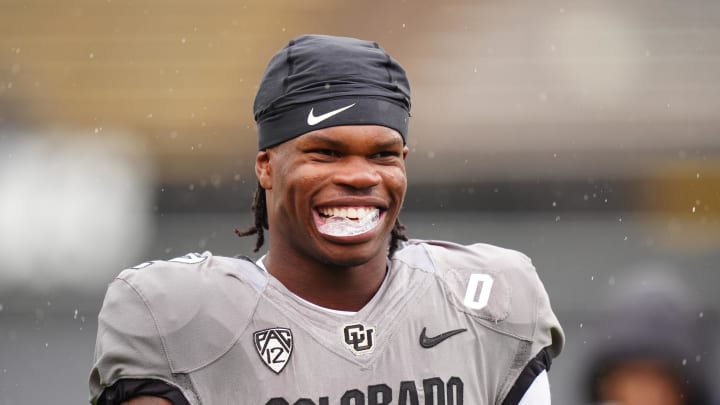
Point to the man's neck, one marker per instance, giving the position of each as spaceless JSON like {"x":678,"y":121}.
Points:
{"x":346,"y":288}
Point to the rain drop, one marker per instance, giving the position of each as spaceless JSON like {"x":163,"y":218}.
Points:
{"x":684,"y":362}
{"x":216,"y":180}
{"x":75,"y":314}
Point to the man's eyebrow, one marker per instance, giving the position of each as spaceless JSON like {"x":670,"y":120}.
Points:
{"x":334,"y":143}
{"x":391,"y":143}
{"x":319,"y":138}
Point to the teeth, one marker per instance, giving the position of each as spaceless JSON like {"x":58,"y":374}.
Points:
{"x":346,"y":212}
{"x":343,"y":226}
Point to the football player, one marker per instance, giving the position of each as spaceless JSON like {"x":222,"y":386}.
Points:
{"x":343,"y":308}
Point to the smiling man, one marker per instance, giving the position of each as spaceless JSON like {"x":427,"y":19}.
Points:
{"x":343,"y":308}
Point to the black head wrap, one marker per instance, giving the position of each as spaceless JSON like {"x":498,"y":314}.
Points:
{"x":320,"y":81}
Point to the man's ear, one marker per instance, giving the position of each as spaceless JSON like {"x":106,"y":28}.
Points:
{"x":405,"y":152}
{"x":263,"y":169}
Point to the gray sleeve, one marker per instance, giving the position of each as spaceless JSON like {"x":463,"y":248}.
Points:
{"x":128,"y":343}
{"x":548,"y":332}
{"x":517,"y":306}
{"x":547,"y":337}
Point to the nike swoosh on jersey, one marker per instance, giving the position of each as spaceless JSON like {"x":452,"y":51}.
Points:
{"x":428,"y":342}
{"x":313,"y":120}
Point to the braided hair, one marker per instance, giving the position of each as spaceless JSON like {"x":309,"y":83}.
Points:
{"x":259,"y":209}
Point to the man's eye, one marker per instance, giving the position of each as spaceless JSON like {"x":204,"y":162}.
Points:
{"x":325,"y":152}
{"x":386,"y":154}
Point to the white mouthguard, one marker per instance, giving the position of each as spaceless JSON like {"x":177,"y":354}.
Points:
{"x":341,"y":226}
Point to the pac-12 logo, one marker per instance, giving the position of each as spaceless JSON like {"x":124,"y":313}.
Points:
{"x":359,"y":338}
{"x":274,"y":346}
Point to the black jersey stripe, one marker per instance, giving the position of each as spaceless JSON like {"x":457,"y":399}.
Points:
{"x":534,"y":368}
{"x":126,"y":389}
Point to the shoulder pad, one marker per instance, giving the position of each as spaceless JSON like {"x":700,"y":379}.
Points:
{"x":498,"y":286}
{"x":198,"y":297}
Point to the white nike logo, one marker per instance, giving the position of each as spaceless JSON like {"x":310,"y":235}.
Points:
{"x":313,"y":120}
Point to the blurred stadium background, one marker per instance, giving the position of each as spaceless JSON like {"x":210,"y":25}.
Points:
{"x":584,"y":133}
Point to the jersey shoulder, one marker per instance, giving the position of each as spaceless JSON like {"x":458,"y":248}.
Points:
{"x":497,"y":286}
{"x":195,"y":296}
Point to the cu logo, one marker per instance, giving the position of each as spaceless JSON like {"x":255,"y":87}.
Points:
{"x":359,"y":338}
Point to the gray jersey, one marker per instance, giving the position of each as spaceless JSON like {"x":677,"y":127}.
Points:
{"x":450,"y":324}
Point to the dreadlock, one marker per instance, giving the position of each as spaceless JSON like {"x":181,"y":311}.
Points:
{"x":259,"y":209}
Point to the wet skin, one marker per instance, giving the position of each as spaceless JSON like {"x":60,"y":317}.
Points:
{"x":344,"y":166}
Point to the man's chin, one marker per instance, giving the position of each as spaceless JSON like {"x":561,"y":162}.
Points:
{"x":352,"y":255}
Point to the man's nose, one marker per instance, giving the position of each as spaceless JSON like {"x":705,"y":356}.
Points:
{"x":356,"y":172}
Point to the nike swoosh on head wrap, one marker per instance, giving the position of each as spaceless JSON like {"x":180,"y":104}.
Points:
{"x":320,"y":81}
